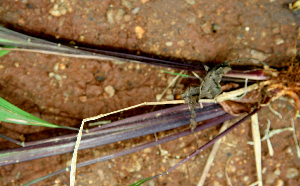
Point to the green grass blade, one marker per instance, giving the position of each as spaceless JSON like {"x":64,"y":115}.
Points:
{"x":12,"y":114}
{"x":173,"y":73}
{"x":3,"y":52}
{"x":5,"y":40}
{"x":138,"y":183}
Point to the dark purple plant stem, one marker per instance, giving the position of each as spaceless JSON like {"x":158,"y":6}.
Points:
{"x":153,"y":125}
{"x":164,"y":112}
{"x":147,"y":60}
{"x":127,"y":123}
{"x":203,"y":126}
{"x":252,"y":75}
{"x":28,"y":43}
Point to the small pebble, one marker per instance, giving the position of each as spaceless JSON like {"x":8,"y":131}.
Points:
{"x":68,"y":163}
{"x":231,"y":169}
{"x":288,"y":150}
{"x":190,"y":2}
{"x":279,"y":183}
{"x":151,"y":183}
{"x":51,"y":74}
{"x":264,"y":170}
{"x":139,"y":31}
{"x":178,"y":97}
{"x":215,"y":27}
{"x":81,"y":38}
{"x":144,"y":1}
{"x":292,"y":172}
{"x":279,"y":41}
{"x":137,"y":66}
{"x":120,"y":14}
{"x":292,"y":51}
{"x":101,"y":174}
{"x":57,"y":180}
{"x":148,"y":150}
{"x":110,"y":15}
{"x":216,"y":183}
{"x":62,"y":66}
{"x":127,"y":18}
{"x":83,"y":99}
{"x":110,"y":90}
{"x":270,"y":178}
{"x":169,"y":43}
{"x":58,"y":10}
{"x":136,"y":10}
{"x":259,"y":55}
{"x":277,"y":172}
{"x":56,"y":67}
{"x":181,"y":43}
{"x":219,"y":174}
{"x":57,"y":77}
{"x":127,"y":4}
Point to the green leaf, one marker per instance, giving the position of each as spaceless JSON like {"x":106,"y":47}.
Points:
{"x":12,"y":114}
{"x":3,"y":52}
{"x":138,"y":183}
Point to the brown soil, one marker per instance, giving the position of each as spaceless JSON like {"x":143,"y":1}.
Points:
{"x":65,"y":90}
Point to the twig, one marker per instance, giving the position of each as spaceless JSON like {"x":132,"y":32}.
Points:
{"x":245,"y":90}
{"x":295,"y":138}
{"x":271,"y":151}
{"x":255,"y":183}
{"x":12,"y":140}
{"x":74,"y":157}
{"x":226,"y":173}
{"x":212,"y":155}
{"x":275,"y":112}
{"x":233,"y":94}
{"x":257,"y":147}
{"x":272,"y":133}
